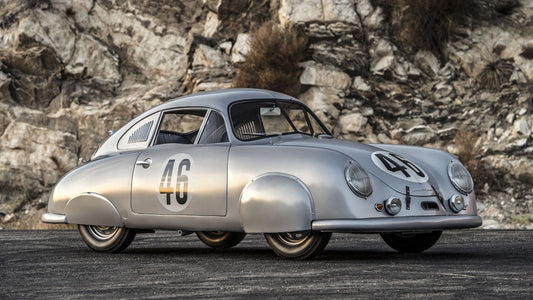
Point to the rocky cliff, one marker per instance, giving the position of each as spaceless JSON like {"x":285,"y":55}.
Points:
{"x":70,"y":70}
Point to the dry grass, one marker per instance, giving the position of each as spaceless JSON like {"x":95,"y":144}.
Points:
{"x":495,"y":74}
{"x":466,"y":142}
{"x":522,"y":219}
{"x":273,"y":60}
{"x":428,"y":24}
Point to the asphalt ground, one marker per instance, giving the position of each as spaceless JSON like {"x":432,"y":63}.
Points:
{"x":480,"y":264}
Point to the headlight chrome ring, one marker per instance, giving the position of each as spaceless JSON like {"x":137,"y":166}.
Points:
{"x":393,"y":206}
{"x":358,"y":180}
{"x":456,"y":203}
{"x":460,"y":178}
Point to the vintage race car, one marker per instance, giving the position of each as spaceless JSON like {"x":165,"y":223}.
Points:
{"x":227,"y":163}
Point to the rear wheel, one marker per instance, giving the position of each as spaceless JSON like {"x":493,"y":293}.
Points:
{"x":411,"y":242}
{"x":106,"y":238}
{"x":220,"y":239}
{"x":298,"y":245}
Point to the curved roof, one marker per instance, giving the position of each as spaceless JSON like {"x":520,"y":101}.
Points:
{"x":219,"y":99}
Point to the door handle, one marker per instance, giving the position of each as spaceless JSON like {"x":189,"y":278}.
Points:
{"x":144,"y":163}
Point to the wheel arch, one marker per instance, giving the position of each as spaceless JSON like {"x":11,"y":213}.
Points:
{"x":276,"y":202}
{"x":92,"y":209}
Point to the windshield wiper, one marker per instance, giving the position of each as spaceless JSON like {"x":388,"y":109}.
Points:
{"x":292,"y":132}
{"x":322,"y":135}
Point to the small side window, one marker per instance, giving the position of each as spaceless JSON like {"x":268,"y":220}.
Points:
{"x":214,"y":130}
{"x":138,"y":136}
{"x":180,"y":127}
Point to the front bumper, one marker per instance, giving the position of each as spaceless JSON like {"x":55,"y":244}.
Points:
{"x":53,"y":218}
{"x":392,"y":224}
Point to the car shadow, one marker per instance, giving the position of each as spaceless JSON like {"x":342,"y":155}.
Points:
{"x":327,"y":255}
{"x":390,"y":255}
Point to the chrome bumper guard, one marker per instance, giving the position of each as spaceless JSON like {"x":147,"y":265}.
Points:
{"x":53,"y":218}
{"x":391,"y":224}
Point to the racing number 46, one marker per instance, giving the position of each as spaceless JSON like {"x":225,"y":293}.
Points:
{"x":393,"y":166}
{"x":180,"y":189}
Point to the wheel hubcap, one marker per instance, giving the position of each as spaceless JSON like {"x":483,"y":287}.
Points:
{"x":102,"y":233}
{"x":216,"y":233}
{"x":216,"y":236}
{"x":405,"y":235}
{"x":294,"y":238}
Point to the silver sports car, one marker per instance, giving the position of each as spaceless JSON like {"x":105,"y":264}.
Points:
{"x":227,"y":163}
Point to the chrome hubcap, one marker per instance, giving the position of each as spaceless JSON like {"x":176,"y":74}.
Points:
{"x":294,"y":238}
{"x":102,"y":233}
{"x":216,"y":233}
{"x":216,"y":236}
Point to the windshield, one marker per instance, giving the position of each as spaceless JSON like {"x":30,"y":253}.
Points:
{"x":258,"y":119}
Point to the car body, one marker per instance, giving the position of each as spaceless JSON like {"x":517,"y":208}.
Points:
{"x":237,"y":161}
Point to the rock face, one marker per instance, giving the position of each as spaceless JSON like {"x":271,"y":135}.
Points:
{"x":71,"y":70}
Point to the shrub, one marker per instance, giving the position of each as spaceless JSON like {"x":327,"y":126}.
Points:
{"x":273,"y":60}
{"x":466,"y":142}
{"x":428,"y":24}
{"x":494,"y":74}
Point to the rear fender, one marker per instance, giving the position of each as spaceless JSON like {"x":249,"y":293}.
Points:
{"x":92,"y":209}
{"x":276,"y":202}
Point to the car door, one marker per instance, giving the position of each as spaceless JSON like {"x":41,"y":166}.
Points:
{"x":185,"y":171}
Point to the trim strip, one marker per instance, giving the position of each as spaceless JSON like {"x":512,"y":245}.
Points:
{"x":54,"y":218}
{"x":389,"y":224}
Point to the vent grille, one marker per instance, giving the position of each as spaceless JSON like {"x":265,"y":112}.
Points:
{"x":430,"y":205}
{"x":141,"y":134}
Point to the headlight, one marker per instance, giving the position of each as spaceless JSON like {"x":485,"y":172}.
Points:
{"x":393,"y":205}
{"x":456,"y":203}
{"x":358,"y":180}
{"x":460,"y":177}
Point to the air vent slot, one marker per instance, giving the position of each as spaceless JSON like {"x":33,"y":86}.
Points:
{"x":141,"y":134}
{"x":430,"y":205}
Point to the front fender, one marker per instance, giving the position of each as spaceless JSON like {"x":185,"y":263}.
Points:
{"x":92,"y":209}
{"x":276,"y":202}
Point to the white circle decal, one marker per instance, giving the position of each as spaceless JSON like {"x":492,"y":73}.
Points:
{"x":399,"y":167}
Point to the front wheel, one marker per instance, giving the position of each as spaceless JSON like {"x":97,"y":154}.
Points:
{"x":411,"y":242}
{"x":298,"y":245}
{"x":106,"y":238}
{"x":220,"y":239}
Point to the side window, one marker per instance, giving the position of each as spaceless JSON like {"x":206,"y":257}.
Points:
{"x":138,"y":136}
{"x":214,"y":130}
{"x":180,"y":127}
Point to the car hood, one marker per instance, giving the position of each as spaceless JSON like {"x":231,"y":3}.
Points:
{"x":365,"y":155}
